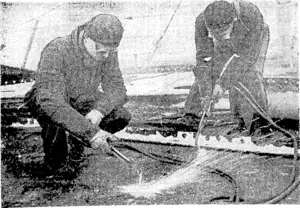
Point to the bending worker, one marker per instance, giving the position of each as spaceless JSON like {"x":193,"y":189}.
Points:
{"x":224,"y":30}
{"x":79,"y":93}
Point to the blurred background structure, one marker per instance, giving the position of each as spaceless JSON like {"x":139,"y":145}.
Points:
{"x":157,"y":33}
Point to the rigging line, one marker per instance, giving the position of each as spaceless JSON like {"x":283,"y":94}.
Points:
{"x":150,"y":57}
{"x":36,"y":18}
{"x":168,"y":25}
{"x":175,"y":81}
{"x":29,"y":45}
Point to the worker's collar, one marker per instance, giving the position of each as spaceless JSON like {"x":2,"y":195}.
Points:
{"x":87,"y":58}
{"x":81,"y":45}
{"x":228,"y":32}
{"x":211,"y":35}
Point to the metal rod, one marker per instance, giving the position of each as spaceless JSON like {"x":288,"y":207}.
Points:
{"x":227,"y":63}
{"x":207,"y":108}
{"x":121,"y":156}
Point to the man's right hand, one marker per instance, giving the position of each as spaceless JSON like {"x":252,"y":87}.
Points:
{"x":217,"y":93}
{"x":205,"y":103}
{"x":100,"y":141}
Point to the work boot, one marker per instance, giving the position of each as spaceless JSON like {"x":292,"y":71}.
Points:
{"x":262,"y":136}
{"x":55,"y":147}
{"x":70,"y":169}
{"x":238,"y":130}
{"x":259,"y":126}
{"x":75,"y":162}
{"x":76,"y":152}
{"x":63,"y":155}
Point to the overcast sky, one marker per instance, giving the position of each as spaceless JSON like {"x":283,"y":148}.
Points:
{"x":144,"y":23}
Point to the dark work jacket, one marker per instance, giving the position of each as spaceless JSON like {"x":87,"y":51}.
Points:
{"x":68,"y":79}
{"x":245,"y":41}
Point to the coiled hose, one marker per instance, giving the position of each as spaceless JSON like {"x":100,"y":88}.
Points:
{"x":295,"y":177}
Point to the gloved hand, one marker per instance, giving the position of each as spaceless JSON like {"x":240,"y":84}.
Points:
{"x":95,"y":117}
{"x":205,"y":102}
{"x":217,"y":93}
{"x":100,"y":141}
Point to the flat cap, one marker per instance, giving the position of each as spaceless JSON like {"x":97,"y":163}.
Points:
{"x":105,"y":29}
{"x":218,"y":13}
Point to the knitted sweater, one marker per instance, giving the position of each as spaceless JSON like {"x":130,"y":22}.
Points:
{"x":67,"y":77}
{"x":245,"y":40}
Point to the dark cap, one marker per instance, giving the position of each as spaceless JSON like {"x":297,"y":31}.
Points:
{"x":105,"y":29}
{"x":218,"y":13}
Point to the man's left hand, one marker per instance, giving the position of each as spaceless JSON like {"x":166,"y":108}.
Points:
{"x":217,"y":92}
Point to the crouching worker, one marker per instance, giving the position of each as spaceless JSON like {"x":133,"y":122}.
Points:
{"x":79,"y":93}
{"x":222,"y":31}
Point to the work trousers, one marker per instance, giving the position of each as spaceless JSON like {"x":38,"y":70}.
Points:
{"x":59,"y":145}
